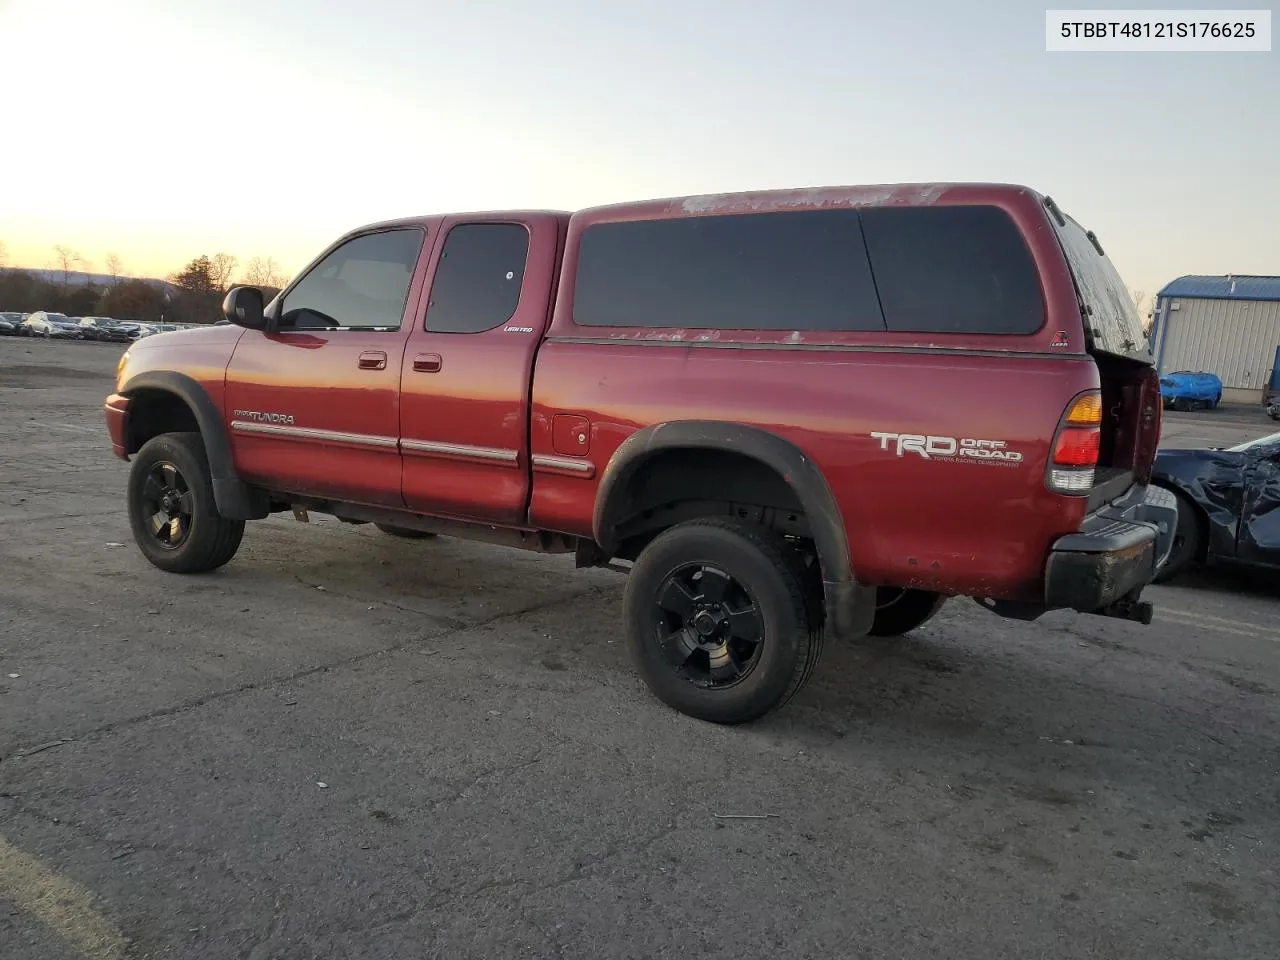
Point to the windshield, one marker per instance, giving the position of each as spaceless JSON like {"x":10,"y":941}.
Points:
{"x":1113,"y":319}
{"x":1269,"y":439}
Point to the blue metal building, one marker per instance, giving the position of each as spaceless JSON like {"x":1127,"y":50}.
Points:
{"x":1228,"y":325}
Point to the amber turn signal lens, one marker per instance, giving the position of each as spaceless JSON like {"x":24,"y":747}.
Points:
{"x":1086,"y":410}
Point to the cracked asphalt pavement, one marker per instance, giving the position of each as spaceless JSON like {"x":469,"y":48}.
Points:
{"x":344,"y":745}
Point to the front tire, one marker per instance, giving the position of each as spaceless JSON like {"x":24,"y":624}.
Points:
{"x":1186,"y":543}
{"x":717,"y":620}
{"x":174,"y":518}
{"x":901,"y":610}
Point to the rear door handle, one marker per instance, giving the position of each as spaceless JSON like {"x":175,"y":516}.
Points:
{"x":373,"y":360}
{"x":427,"y":363}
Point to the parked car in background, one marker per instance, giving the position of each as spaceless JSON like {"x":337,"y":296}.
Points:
{"x":1187,"y":390}
{"x":43,"y":323}
{"x":136,"y":329}
{"x":10,"y":324}
{"x":106,"y":329}
{"x":1228,"y":504}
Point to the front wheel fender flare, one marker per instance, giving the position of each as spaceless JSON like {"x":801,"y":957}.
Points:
{"x":235,"y":499}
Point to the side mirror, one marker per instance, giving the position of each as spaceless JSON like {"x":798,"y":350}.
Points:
{"x":243,"y":307}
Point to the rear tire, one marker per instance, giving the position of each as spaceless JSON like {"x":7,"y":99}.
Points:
{"x":717,"y":620}
{"x":1186,"y":542}
{"x":900,"y":611}
{"x":405,"y":533}
{"x":172,"y":511}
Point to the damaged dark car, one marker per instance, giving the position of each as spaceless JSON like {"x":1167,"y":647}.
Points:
{"x":1228,"y":504}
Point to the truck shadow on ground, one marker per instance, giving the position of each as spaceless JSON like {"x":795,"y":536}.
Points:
{"x":1062,"y":725}
{"x":1061,"y":701}
{"x":1234,"y":579}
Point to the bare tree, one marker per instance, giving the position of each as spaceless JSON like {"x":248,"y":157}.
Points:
{"x":66,"y":259}
{"x":1142,"y":301}
{"x":221,"y":266}
{"x":114,"y":266}
{"x":4,"y":255}
{"x":264,"y":272}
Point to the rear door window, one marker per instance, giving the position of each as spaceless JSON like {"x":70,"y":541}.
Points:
{"x":963,"y":269}
{"x":477,"y":284}
{"x":767,"y":271}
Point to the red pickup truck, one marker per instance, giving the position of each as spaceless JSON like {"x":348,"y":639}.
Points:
{"x":783,"y":414}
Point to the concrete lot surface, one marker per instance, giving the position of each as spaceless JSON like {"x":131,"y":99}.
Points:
{"x":347,"y":746}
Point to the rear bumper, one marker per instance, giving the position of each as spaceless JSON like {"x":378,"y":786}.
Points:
{"x":116,"y":410}
{"x":1115,"y":553}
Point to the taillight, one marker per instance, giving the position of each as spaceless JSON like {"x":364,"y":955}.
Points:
{"x":1076,"y":446}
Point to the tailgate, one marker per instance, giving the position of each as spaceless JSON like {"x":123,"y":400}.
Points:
{"x":1118,"y":343}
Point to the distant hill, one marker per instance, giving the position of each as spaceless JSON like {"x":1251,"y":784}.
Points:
{"x":78,"y":278}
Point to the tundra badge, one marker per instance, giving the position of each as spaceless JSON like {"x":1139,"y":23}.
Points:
{"x":260,"y":417}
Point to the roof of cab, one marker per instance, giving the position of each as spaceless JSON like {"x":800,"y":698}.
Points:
{"x":424,"y":220}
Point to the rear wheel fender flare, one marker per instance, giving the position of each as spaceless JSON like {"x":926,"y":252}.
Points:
{"x":849,"y":606}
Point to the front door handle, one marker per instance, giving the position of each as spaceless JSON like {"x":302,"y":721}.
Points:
{"x":427,"y":363}
{"x":373,"y":360}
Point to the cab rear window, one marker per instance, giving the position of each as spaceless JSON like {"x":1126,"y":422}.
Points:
{"x":758,"y":271}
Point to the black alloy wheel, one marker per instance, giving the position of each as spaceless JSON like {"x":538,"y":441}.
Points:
{"x":719,"y":621}
{"x":167,"y":505}
{"x":712,"y":623}
{"x":172,"y":508}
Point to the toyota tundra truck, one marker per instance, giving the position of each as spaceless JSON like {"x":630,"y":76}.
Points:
{"x":782,"y":415}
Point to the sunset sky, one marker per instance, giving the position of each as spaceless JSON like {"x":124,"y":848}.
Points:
{"x":162,"y":129}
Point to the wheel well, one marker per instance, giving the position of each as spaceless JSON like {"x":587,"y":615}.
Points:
{"x":675,"y":485}
{"x":153,"y":412}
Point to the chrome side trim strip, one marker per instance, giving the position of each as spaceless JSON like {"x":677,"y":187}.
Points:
{"x":459,"y":451}
{"x":316,"y":435}
{"x":572,"y":465}
{"x":633,"y":341}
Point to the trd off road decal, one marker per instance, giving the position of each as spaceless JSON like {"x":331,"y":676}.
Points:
{"x":964,"y":449}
